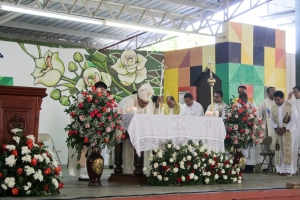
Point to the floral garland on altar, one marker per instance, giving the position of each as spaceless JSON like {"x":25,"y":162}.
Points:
{"x":191,"y":164}
{"x":96,"y":121}
{"x":243,"y":128}
{"x":27,"y":169}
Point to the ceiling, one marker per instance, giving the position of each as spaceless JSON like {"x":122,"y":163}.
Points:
{"x":184,"y":16}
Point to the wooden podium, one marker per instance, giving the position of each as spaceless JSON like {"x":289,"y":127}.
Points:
{"x":20,"y":108}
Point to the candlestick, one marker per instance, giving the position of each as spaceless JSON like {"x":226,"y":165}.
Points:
{"x":211,"y":81}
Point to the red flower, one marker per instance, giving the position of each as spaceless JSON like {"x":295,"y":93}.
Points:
{"x":92,"y":114}
{"x":205,"y":155}
{"x":226,"y":162}
{"x":106,"y":140}
{"x":85,"y":139}
{"x":99,"y":115}
{"x":1,"y":175}
{"x":178,"y":180}
{"x":239,"y":100}
{"x":70,"y":133}
{"x":188,"y":178}
{"x":229,"y":129}
{"x":244,"y":119}
{"x":33,"y":161}
{"x":30,"y":145}
{"x":99,"y":94}
{"x":93,"y":88}
{"x":215,"y":159}
{"x":176,"y":165}
{"x":80,"y":105}
{"x":89,"y":99}
{"x":29,"y":141}
{"x":15,"y":191}
{"x":20,"y":170}
{"x":240,"y":110}
{"x":15,"y":153}
{"x":258,"y":132}
{"x":242,"y":131}
{"x":164,"y":168}
{"x":212,"y":166}
{"x":227,"y":136}
{"x":72,"y":114}
{"x":123,"y":136}
{"x":103,"y":109}
{"x":47,"y":171}
{"x":75,"y":132}
{"x":96,"y":111}
{"x":250,"y":123}
{"x":252,"y":133}
{"x":212,"y":173}
{"x":83,"y":94}
{"x":219,"y":172}
{"x":247,"y":115}
{"x":101,"y":124}
{"x":188,"y":164}
{"x":4,"y":147}
{"x":60,"y":185}
{"x":115,"y":115}
{"x":99,"y":132}
{"x":96,"y":101}
{"x":193,"y":171}
{"x":243,"y":103}
{"x":117,"y":137}
{"x":46,"y":188}
{"x":260,"y":121}
{"x":57,"y":169}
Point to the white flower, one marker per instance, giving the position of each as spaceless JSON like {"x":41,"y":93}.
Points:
{"x":240,"y":177}
{"x":204,"y":165}
{"x":159,"y":154}
{"x":182,"y":178}
{"x":25,"y":187}
{"x":16,"y":130}
{"x":189,"y":157}
{"x":227,"y":166}
{"x":166,"y":178}
{"x":196,"y":144}
{"x":201,"y":149}
{"x":39,"y":157}
{"x":29,"y":184}
{"x":4,"y":186}
{"x":177,"y":147}
{"x":183,"y":144}
{"x":184,"y":159}
{"x":203,"y":159}
{"x":154,"y":173}
{"x":10,"y":147}
{"x":223,"y":171}
{"x":236,"y":116}
{"x":225,"y":177}
{"x":208,"y":173}
{"x":182,"y":166}
{"x":155,"y":150}
{"x":205,"y":146}
{"x":239,"y":181}
{"x":233,"y":172}
{"x":54,"y":163}
{"x":237,"y":169}
{"x":26,"y":158}
{"x":28,"y":192}
{"x":174,"y":155}
{"x":47,"y":160}
{"x":199,"y":163}
{"x":195,"y":154}
{"x":11,"y":183}
{"x":216,"y":176}
{"x":144,"y":169}
{"x":192,"y":175}
{"x":150,"y":158}
{"x":171,"y":160}
{"x":29,"y":170}
{"x":169,"y":146}
{"x":164,"y":164}
{"x":234,"y":179}
{"x":155,"y":165}
{"x":195,"y":166}
{"x":175,"y":170}
{"x":55,"y":183}
{"x":206,"y":180}
{"x":159,"y":177}
{"x":251,"y":116}
{"x":181,"y":163}
{"x":31,"y":137}
{"x":25,"y":150}
{"x":210,"y":161}
{"x":190,"y":148}
{"x":10,"y":160}
{"x":17,"y":139}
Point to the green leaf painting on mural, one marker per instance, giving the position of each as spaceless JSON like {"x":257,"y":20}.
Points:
{"x":122,"y":71}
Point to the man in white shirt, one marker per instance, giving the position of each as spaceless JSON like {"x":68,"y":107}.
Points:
{"x":296,"y":102}
{"x":172,"y":108}
{"x":284,"y":120}
{"x":140,"y":104}
{"x":219,"y":104}
{"x":191,"y":107}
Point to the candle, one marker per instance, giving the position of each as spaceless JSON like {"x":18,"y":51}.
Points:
{"x":216,"y":113}
{"x":209,"y":113}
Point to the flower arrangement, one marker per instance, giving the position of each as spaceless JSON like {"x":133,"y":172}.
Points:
{"x":96,"y":121}
{"x":191,"y":164}
{"x":242,"y":126}
{"x":26,"y":169}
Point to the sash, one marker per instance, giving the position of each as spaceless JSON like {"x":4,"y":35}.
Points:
{"x":176,"y":109}
{"x":286,"y":138}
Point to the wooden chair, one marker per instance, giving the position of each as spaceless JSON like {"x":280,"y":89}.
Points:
{"x":45,"y":137}
{"x":265,"y":151}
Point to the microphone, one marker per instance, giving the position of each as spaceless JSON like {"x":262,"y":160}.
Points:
{"x":1,"y":56}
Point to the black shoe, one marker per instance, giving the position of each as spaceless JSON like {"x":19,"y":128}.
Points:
{"x":83,"y":179}
{"x":110,"y":167}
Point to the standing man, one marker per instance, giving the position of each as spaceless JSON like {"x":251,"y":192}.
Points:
{"x":284,"y":120}
{"x":157,"y":105}
{"x":140,"y":104}
{"x":219,"y":104}
{"x":172,"y":108}
{"x":191,"y":107}
{"x":296,"y":102}
{"x":264,"y":110}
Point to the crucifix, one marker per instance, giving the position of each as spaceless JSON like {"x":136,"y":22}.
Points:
{"x":211,"y":81}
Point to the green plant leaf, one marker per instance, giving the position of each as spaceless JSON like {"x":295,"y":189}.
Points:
{"x":78,"y":166}
{"x":68,"y":85}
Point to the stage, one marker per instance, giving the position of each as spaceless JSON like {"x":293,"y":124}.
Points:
{"x":255,"y":186}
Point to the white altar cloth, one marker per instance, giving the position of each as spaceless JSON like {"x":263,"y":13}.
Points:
{"x":148,"y":132}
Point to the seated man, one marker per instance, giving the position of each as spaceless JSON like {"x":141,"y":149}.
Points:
{"x":172,"y":108}
{"x":191,"y":107}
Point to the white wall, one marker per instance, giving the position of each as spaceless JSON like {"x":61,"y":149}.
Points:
{"x":17,"y":64}
{"x":290,"y":72}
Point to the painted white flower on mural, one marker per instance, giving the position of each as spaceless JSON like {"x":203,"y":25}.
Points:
{"x":49,"y":69}
{"x":91,"y":76}
{"x":131,"y":68}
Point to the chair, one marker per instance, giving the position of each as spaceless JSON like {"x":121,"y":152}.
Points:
{"x":265,"y":151}
{"x":45,"y":137}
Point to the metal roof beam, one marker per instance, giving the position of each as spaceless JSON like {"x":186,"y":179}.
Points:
{"x":202,"y":6}
{"x":57,"y":30}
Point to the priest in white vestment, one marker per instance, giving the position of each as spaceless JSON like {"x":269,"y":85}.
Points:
{"x":284,"y":121}
{"x":296,"y":102}
{"x":172,"y":108}
{"x":191,"y":107}
{"x":219,"y":104}
{"x":251,"y":154}
{"x":264,"y":110}
{"x":140,"y":104}
{"x":72,"y":154}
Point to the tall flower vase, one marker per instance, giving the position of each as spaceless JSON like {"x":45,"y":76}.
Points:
{"x":239,"y":158}
{"x":95,"y":164}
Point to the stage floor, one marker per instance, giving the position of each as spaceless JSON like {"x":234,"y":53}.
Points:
{"x":256,"y":182}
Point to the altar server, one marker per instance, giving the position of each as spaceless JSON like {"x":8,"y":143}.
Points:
{"x":284,"y":121}
{"x":140,"y":104}
{"x":191,"y":107}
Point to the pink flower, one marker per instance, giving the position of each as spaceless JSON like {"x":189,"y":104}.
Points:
{"x":236,"y":116}
{"x":263,"y":126}
{"x":246,"y":131}
{"x":108,"y":110}
{"x":235,"y":141}
{"x":251,"y":116}
{"x":108,"y":129}
{"x":81,"y":117}
{"x":119,"y":111}
{"x":261,"y":135}
{"x":87,"y":125}
{"x":235,"y":127}
{"x":253,"y":137}
{"x":229,"y":115}
{"x":254,"y":127}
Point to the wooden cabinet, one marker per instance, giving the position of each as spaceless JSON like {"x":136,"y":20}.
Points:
{"x":20,"y":108}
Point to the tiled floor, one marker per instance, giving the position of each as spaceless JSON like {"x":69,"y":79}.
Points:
{"x":75,"y":189}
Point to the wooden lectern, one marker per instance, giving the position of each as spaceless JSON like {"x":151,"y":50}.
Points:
{"x":20,"y":108}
